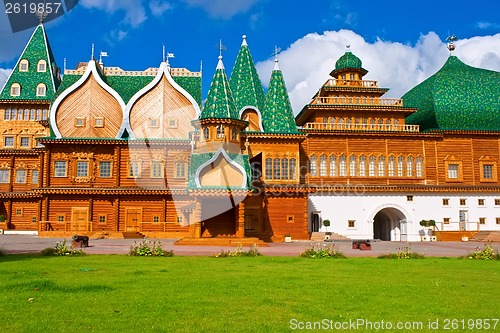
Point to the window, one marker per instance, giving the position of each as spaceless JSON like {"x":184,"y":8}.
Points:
{"x":172,"y":123}
{"x":180,"y":170}
{"x":60,"y":218}
{"x":26,"y":114}
{"x":333,"y":166}
{"x":60,"y":169}
{"x":20,"y":176}
{"x":446,"y":220}
{"x":134,"y":170}
{"x":284,"y":168}
{"x":480,"y":202}
{"x":156,"y":219}
{"x":293,"y":169}
{"x":32,"y":114}
{"x":19,"y":211}
{"x":42,"y":66}
{"x":25,"y":142}
{"x":41,"y":90}
{"x":4,"y":176}
{"x":234,"y":134}
{"x":15,"y":89}
{"x":446,"y":202}
{"x":342,"y":166}
{"x":79,"y":122}
{"x":38,"y":114}
{"x":82,"y":168}
{"x":488,"y":171}
{"x":206,"y":133}
{"x":156,"y":169}
{"x":322,"y":165}
{"x":372,"y":166}
{"x":381,"y":166}
{"x":23,"y":65}
{"x":20,"y":114}
{"x":45,"y":113}
{"x":353,"y":164}
{"x":409,"y":166}
{"x":420,"y":166}
{"x":453,"y":171}
{"x":325,"y":120}
{"x":179,"y":219}
{"x":313,"y":165}
{"x":290,"y":219}
{"x":351,"y":223}
{"x":33,"y":219}
{"x":34,"y":177}
{"x":99,"y":122}
{"x":498,"y":220}
{"x":463,"y":202}
{"x":362,"y":166}
{"x":482,"y":220}
{"x":409,"y":198}
{"x":102,"y":218}
{"x":6,"y":114}
{"x":153,"y":122}
{"x":391,"y":166}
{"x":497,"y":202}
{"x":277,"y":169}
{"x":8,"y":141}
{"x":269,"y":168}
{"x":220,"y":132}
{"x":401,"y":166}
{"x":105,"y":169}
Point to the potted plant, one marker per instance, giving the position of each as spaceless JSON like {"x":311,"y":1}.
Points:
{"x":288,"y":238}
{"x":427,"y":223}
{"x":326,"y":224}
{"x":3,"y":218}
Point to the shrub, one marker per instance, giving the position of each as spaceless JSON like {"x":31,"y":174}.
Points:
{"x":322,"y":251}
{"x":238,"y":252}
{"x":2,"y":253}
{"x":403,"y":253}
{"x":427,"y":223}
{"x":61,"y":249}
{"x":145,"y":248}
{"x":486,"y":254}
{"x":326,"y":223}
{"x":3,"y":218}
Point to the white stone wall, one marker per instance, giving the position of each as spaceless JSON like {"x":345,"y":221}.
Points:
{"x":339,"y":208}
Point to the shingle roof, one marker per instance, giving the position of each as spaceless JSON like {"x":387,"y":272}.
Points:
{"x":277,"y":115}
{"x":37,"y":48}
{"x":245,"y":83}
{"x":348,"y":61}
{"x":457,"y":97}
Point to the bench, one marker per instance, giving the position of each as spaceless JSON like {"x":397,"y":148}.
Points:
{"x":363,"y":245}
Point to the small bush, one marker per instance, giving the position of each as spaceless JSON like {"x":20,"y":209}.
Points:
{"x":238,"y":252}
{"x":2,"y":253}
{"x":487,"y":253}
{"x":61,"y":249}
{"x":322,"y":251}
{"x":403,"y":253}
{"x":146,"y":248}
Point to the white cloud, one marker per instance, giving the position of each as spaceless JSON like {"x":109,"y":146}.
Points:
{"x":159,"y":7}
{"x":223,"y":8}
{"x":307,"y":63}
{"x":135,"y":13}
{"x":487,"y":25}
{"x":4,"y":75}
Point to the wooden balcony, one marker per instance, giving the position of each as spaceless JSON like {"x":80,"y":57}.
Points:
{"x":361,"y":127}
{"x":357,"y":100}
{"x":351,"y":83}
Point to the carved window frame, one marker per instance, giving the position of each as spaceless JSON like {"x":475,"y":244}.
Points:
{"x":484,"y":161}
{"x":448,"y":162}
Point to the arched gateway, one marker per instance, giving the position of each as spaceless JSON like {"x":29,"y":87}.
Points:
{"x":389,"y":224}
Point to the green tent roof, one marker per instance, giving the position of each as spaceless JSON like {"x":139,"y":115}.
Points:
{"x":38,"y":48}
{"x":457,"y":97}
{"x":220,"y":102}
{"x":277,"y":115}
{"x":245,"y":83}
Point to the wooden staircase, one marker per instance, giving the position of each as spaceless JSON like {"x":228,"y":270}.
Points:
{"x":453,"y":236}
{"x":320,"y":236}
{"x":132,"y":235}
{"x":487,"y":236}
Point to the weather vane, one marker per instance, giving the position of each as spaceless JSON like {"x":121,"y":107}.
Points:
{"x":451,"y":39}
{"x":41,"y":13}
{"x":221,"y":47}
{"x":276,"y":51}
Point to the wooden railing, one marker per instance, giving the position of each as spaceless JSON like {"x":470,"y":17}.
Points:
{"x":357,"y":100}
{"x":458,"y":226}
{"x":67,"y":226}
{"x":352,"y":83}
{"x":361,"y":127}
{"x":160,"y":226}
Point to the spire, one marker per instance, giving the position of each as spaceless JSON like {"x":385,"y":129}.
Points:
{"x":220,"y":102}
{"x":451,"y":40}
{"x":276,"y":62}
{"x":277,"y":115}
{"x":35,"y":66}
{"x":245,"y":82}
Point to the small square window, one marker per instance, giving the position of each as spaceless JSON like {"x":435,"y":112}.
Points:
{"x":102,"y":218}
{"x":351,"y":223}
{"x":446,"y":220}
{"x":179,"y":219}
{"x":60,"y":218}
{"x":99,"y":122}
{"x":290,"y":219}
{"x":480,"y":202}
{"x":19,"y":211}
{"x":33,"y":219}
{"x":154,"y":122}
{"x":172,"y":123}
{"x":498,"y":220}
{"x":446,"y":202}
{"x":463,"y":202}
{"x":9,"y":141}
{"x":497,"y":202}
{"x":25,"y":142}
{"x":79,"y":122}
{"x":482,"y":220}
{"x":156,"y":219}
{"x":409,"y":198}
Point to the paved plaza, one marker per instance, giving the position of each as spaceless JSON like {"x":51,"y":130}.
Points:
{"x":32,"y":244}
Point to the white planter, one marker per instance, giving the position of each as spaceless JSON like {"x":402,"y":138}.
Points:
{"x":288,"y":239}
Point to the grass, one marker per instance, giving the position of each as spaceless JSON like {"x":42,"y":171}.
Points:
{"x":99,"y":293}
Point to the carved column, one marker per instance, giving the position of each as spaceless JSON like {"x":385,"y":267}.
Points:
{"x":117,"y":213}
{"x":240,"y":220}
{"x":197,"y":220}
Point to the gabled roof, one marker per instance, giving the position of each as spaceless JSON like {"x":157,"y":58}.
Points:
{"x":245,"y":83}
{"x":277,"y":115}
{"x":220,"y":102}
{"x":457,"y":97}
{"x":37,"y":48}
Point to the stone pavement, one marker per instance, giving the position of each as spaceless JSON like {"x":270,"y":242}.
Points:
{"x":33,"y":244}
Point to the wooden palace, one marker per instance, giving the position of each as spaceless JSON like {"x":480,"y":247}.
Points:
{"x":108,"y":152}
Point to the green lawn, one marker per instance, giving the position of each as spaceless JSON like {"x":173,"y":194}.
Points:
{"x":199,"y":294}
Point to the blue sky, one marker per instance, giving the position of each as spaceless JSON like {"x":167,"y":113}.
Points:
{"x":312,"y":35}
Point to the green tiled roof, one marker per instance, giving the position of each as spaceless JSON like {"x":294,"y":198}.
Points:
{"x":220,"y":102}
{"x":192,"y":84}
{"x":349,"y":61}
{"x":457,"y":97}
{"x":198,"y":159}
{"x":277,"y":115}
{"x":245,"y":83}
{"x":38,"y":48}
